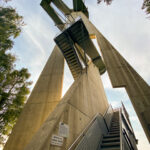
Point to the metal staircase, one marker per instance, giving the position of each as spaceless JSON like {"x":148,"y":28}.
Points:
{"x":111,"y":141}
{"x":66,"y":45}
{"x":112,"y":131}
{"x":80,"y":35}
{"x":77,"y":34}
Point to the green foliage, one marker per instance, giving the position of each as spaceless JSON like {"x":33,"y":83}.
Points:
{"x":10,"y":26}
{"x":146,"y":6}
{"x":108,"y":2}
{"x":14,"y":88}
{"x":14,"y":84}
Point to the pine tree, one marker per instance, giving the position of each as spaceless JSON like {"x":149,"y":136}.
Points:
{"x":146,"y":6}
{"x":108,"y":2}
{"x":14,"y":84}
{"x":10,"y":26}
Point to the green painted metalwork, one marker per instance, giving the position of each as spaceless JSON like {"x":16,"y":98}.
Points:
{"x":78,"y":5}
{"x":62,"y":6}
{"x":51,"y":12}
{"x":77,"y":33}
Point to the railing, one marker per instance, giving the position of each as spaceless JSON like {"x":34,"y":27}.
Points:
{"x":82,"y":133}
{"x":107,"y":117}
{"x":121,"y":136}
{"x":124,"y":135}
{"x":76,"y":142}
{"x":128,"y":140}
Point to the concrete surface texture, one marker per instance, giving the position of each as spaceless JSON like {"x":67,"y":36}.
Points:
{"x":43,"y":99}
{"x":84,"y":99}
{"x":123,"y":75}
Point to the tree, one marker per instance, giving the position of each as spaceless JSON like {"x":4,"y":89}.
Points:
{"x":10,"y":26}
{"x":108,"y":2}
{"x":13,"y":91}
{"x":14,"y":84}
{"x":146,"y":6}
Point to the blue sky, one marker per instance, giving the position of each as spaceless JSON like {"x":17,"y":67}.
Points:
{"x":123,"y":23}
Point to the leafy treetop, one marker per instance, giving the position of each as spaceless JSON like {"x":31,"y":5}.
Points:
{"x":10,"y":26}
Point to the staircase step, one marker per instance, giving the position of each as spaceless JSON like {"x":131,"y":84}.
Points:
{"x":111,"y":139}
{"x":68,"y":51}
{"x":111,"y":144}
{"x":111,"y":135}
{"x":115,"y":125}
{"x":110,"y":148}
{"x":116,"y":120}
{"x":114,"y":130}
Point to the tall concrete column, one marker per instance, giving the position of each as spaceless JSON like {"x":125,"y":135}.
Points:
{"x":123,"y":75}
{"x":84,"y":99}
{"x":43,"y":99}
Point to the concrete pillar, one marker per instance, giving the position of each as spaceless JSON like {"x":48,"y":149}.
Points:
{"x":85,"y":98}
{"x":42,"y":101}
{"x":123,"y":75}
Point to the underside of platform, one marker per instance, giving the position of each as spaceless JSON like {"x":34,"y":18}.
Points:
{"x":67,"y":40}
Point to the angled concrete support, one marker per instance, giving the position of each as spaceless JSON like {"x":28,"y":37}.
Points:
{"x":85,"y":98}
{"x":52,"y":13}
{"x":42,"y":101}
{"x":123,"y":75}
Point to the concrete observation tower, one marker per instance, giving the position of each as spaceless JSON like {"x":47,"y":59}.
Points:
{"x":82,"y":119}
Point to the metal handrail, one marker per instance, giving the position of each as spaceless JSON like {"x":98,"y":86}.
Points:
{"x":124,"y":134}
{"x":128,"y":124}
{"x":105,"y":115}
{"x":86,"y":128}
{"x":120,"y":121}
{"x":83,"y":132}
{"x":128,"y":140}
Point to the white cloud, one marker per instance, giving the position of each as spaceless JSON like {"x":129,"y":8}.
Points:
{"x":30,"y":36}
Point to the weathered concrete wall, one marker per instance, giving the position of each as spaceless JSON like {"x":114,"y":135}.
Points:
{"x":93,"y":137}
{"x":84,"y":99}
{"x":43,"y":99}
{"x":123,"y":75}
